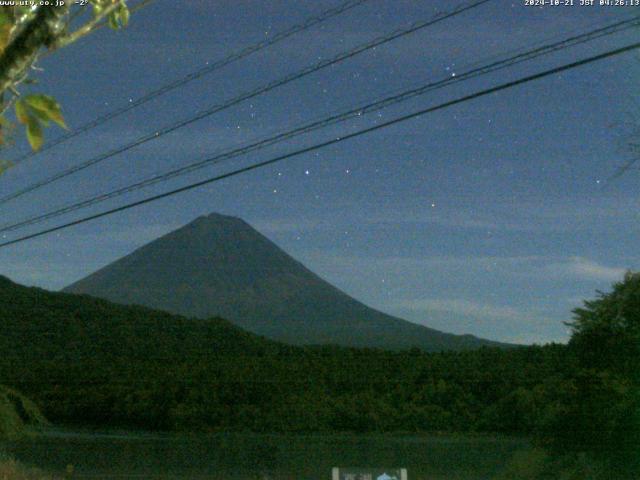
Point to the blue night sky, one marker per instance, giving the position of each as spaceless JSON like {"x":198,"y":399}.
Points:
{"x":493,"y":217}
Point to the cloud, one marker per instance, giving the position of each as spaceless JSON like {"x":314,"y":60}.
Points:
{"x":527,"y":216}
{"x":406,"y":264}
{"x":463,"y":307}
{"x":583,"y":268}
{"x":276,"y":226}
{"x":530,"y":266}
{"x":488,"y":320}
{"x":453,"y":218}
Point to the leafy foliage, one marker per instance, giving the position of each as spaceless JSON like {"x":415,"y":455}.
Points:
{"x":10,"y":469}
{"x":24,"y":31}
{"x":35,"y":112}
{"x":119,"y":18}
{"x":16,"y":413}
{"x":597,"y":410}
{"x":606,"y":331}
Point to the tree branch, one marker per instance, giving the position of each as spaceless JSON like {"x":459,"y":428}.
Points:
{"x":87,"y":28}
{"x":22,"y":52}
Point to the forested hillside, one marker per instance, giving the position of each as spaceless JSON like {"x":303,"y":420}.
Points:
{"x":93,"y":363}
{"x":90,"y":361}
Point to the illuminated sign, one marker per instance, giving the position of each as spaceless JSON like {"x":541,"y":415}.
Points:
{"x":369,"y":474}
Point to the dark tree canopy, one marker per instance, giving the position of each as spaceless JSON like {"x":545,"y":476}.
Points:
{"x":598,"y":406}
{"x":606,"y":331}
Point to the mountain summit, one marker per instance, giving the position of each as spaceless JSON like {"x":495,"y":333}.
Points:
{"x":220,"y":266}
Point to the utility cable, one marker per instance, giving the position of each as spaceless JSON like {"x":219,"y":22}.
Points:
{"x":242,"y":97}
{"x":331,"y":120}
{"x":318,"y":146}
{"x":233,"y":57}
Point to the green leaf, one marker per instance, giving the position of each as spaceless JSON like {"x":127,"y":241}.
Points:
{"x":22,"y":112}
{"x":40,"y":115}
{"x":119,"y":18}
{"x":113,"y":20}
{"x":23,"y":10}
{"x":36,"y":111}
{"x":34,"y":133}
{"x":6,"y":16}
{"x":46,"y":108}
{"x":124,"y":14}
{"x":97,"y":8}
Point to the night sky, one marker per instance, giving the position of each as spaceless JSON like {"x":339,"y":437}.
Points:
{"x":494,"y":217}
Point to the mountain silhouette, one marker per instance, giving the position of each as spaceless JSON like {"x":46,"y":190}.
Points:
{"x":220,"y":266}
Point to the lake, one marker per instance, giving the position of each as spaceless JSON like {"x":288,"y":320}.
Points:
{"x":248,"y":456}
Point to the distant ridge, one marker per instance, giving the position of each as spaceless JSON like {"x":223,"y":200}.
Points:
{"x":219,"y":265}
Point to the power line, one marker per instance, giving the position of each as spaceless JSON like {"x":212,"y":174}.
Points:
{"x":334,"y":119}
{"x":404,"y":118}
{"x":246,"y":96}
{"x":234,"y":57}
{"x":377,"y":105}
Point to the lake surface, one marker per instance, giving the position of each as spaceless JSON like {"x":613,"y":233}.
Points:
{"x":247,"y":456}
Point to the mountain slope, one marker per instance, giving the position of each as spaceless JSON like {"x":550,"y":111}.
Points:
{"x":220,"y":266}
